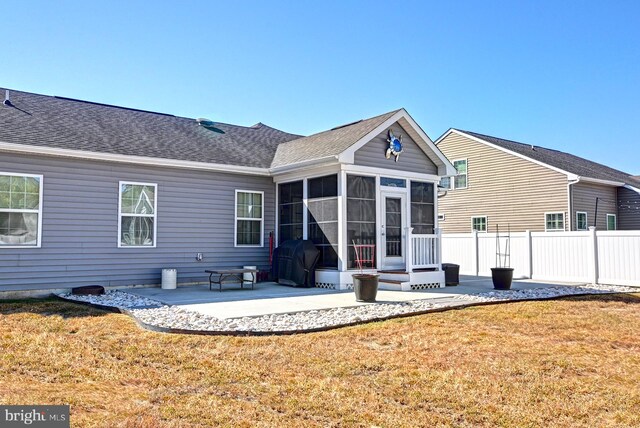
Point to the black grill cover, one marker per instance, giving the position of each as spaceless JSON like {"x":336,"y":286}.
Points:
{"x":294,"y":263}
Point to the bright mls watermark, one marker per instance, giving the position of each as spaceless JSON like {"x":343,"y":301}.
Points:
{"x":34,"y":416}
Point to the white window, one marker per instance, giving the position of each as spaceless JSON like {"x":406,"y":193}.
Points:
{"x":137,"y":214}
{"x":445,"y":183}
{"x":479,"y":223}
{"x":20,"y":210}
{"x":249,"y":222}
{"x":554,"y":221}
{"x":581,"y":220}
{"x":460,"y":180}
{"x":611,"y":222}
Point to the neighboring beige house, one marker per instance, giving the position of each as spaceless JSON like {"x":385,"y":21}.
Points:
{"x":524,"y":187}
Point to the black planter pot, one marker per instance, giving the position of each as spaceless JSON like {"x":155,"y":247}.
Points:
{"x":502,"y":278}
{"x":365,"y":286}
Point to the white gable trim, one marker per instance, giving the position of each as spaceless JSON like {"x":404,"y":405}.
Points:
{"x":138,"y":160}
{"x":570,"y":175}
{"x":635,"y":189}
{"x":348,"y":156}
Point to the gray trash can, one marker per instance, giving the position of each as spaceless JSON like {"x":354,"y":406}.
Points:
{"x":451,"y":273}
{"x":169,"y":279}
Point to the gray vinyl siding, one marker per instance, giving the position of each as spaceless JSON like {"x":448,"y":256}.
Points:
{"x":628,"y":209}
{"x":509,"y":190}
{"x":412,"y":158}
{"x":195,"y":213}
{"x":583,"y":196}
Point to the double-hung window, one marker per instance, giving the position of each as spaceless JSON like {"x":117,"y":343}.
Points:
{"x":554,"y":222}
{"x":137,"y":214}
{"x":249,"y":218}
{"x":460,"y":181}
{"x":581,"y":220}
{"x":445,"y":183}
{"x":20,"y":210}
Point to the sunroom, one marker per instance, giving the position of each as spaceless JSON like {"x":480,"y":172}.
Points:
{"x":367,"y":202}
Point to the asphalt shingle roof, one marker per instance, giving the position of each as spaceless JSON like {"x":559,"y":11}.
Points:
{"x":40,"y":120}
{"x":327,"y":143}
{"x":564,"y":161}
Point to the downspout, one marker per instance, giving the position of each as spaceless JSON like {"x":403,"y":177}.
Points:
{"x":570,"y":201}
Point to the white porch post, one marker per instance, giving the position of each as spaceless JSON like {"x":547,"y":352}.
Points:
{"x":305,"y":210}
{"x":408,"y":249}
{"x":342,"y":222}
{"x":439,"y":247}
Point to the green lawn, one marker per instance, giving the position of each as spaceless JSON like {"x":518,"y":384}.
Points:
{"x":569,"y":362}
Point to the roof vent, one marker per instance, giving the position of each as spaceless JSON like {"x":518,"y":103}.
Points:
{"x":7,"y":101}
{"x":209,"y":124}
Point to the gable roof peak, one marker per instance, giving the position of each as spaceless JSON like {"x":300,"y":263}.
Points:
{"x":555,"y":159}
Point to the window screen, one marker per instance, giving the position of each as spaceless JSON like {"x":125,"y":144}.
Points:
{"x":322,"y":203}
{"x":290,"y":211}
{"x":361,"y":214}
{"x":422,"y":208}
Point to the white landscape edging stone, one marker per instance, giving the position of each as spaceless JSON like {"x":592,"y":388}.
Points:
{"x":156,"y":315}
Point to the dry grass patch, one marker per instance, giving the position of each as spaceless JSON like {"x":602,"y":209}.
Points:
{"x":570,"y":362}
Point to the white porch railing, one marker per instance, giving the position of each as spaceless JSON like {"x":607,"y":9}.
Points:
{"x":423,"y":251}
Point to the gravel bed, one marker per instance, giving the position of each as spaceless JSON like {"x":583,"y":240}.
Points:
{"x":178,"y":318}
{"x":114,"y":298}
{"x":156,"y":314}
{"x":545,"y":293}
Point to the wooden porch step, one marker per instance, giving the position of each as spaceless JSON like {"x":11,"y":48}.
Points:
{"x":397,"y":272}
{"x":391,"y":281}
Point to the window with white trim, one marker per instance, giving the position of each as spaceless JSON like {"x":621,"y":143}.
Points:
{"x":611,"y":222}
{"x":581,"y":220}
{"x":553,"y":222}
{"x":460,"y":180}
{"x":20,"y":210}
{"x":445,"y":183}
{"x":479,"y":223}
{"x":249,"y":222}
{"x":137,"y":214}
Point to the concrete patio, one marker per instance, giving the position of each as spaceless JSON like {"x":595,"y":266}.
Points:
{"x":270,"y":298}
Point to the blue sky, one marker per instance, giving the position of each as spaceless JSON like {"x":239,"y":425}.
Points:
{"x":564,"y":75}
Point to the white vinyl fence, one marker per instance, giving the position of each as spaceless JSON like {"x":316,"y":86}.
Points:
{"x":604,"y":257}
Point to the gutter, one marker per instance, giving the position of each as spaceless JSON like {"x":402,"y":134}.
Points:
{"x":137,"y":160}
{"x":599,"y":181}
{"x":333,"y":159}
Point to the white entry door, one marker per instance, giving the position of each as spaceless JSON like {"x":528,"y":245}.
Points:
{"x":394,"y":217}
